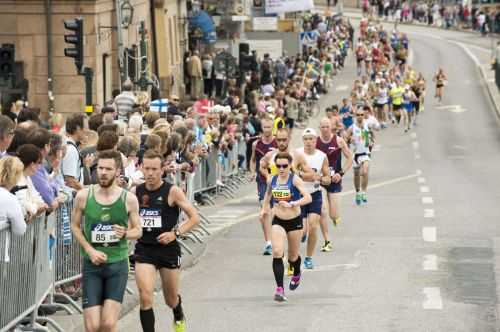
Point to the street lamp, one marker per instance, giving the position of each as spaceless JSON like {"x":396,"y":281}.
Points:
{"x":127,"y":13}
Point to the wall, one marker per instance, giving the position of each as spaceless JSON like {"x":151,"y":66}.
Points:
{"x":290,"y":39}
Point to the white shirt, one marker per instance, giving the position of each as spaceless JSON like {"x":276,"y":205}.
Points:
{"x":10,"y":212}
{"x":71,"y":164}
{"x":29,"y":197}
{"x":315,"y":161}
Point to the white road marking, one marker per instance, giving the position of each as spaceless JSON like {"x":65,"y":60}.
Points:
{"x":427,"y":200}
{"x":417,"y":156}
{"x":429,"y":234}
{"x":377,"y":148}
{"x":469,"y":53}
{"x":430,"y":263}
{"x":415,"y":145}
{"x":452,"y":108}
{"x":424,"y":189}
{"x":410,"y":56}
{"x":342,"y":88}
{"x":382,"y":184}
{"x":433,"y":299}
{"x":429,"y":213}
{"x":419,"y":172}
{"x":322,"y":268}
{"x":491,"y":80}
{"x":413,"y":135}
{"x":421,"y":180}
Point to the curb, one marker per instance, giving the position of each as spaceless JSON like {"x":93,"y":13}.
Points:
{"x":492,"y":91}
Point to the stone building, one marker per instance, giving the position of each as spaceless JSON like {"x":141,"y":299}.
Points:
{"x":25,"y":24}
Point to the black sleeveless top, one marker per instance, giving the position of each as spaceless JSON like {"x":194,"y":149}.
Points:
{"x":156,"y":215}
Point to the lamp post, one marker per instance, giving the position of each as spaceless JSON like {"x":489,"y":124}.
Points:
{"x":124,"y":16}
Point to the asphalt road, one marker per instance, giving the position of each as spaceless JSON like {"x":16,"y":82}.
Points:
{"x":420,"y":256}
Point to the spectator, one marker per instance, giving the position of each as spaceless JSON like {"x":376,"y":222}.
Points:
{"x":125,"y":101}
{"x":208,"y":73}
{"x":53,"y":160}
{"x":40,"y":137}
{"x":107,"y":141}
{"x":6,"y":134}
{"x":32,"y":203}
{"x":28,"y":114}
{"x":173,"y":106}
{"x":72,"y":163}
{"x":20,"y":138}
{"x":107,"y":127}
{"x":195,"y":75}
{"x":129,"y":148}
{"x":11,"y":169}
{"x":109,"y":115}
{"x":96,"y":120}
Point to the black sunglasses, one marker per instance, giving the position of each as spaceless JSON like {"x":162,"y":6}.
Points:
{"x":283,"y":166}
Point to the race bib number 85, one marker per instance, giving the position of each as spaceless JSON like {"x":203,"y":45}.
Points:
{"x":103,"y":234}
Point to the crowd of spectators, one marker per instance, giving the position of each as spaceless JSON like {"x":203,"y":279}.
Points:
{"x":483,"y":19}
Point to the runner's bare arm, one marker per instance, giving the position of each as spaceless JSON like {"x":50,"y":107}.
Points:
{"x":325,"y":179}
{"x":179,"y":199}
{"x":347,"y":154}
{"x":76,"y":219}
{"x":300,"y":167}
{"x":134,"y":230}
{"x":306,"y":196}
{"x":264,"y":165}
{"x":253,"y":162}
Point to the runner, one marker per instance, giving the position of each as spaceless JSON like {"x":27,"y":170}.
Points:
{"x":409,"y":99}
{"x":361,"y":138}
{"x":333,"y":146}
{"x":311,"y":212}
{"x":160,"y":204}
{"x":440,"y":79}
{"x":283,"y":196}
{"x":260,"y":147}
{"x":396,"y":94}
{"x":111,"y":218}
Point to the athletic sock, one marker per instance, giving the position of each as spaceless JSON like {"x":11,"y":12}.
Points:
{"x":279,"y":271}
{"x":268,"y":243}
{"x":178,"y":312}
{"x":296,"y":266}
{"x":147,"y":320}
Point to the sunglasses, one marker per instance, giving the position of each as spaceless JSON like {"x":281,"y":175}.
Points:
{"x":359,"y":114}
{"x":281,"y":139}
{"x":282,"y":166}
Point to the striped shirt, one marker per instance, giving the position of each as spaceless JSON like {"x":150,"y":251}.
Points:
{"x":125,"y":102}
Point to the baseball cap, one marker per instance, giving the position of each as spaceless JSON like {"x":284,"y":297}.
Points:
{"x":309,"y":131}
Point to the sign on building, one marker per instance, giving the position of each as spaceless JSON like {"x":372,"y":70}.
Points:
{"x":287,"y":6}
{"x":265,"y":23}
{"x":273,"y":47}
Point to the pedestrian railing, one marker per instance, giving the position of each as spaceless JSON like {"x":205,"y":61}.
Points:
{"x":36,"y":267}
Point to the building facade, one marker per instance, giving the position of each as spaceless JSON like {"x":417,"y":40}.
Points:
{"x":36,"y":28}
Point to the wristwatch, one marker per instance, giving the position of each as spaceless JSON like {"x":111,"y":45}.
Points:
{"x":177,"y":232}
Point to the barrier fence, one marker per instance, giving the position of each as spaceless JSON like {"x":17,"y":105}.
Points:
{"x":35,"y":266}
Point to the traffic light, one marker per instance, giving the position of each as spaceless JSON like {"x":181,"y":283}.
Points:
{"x":7,"y":61}
{"x":76,"y":40}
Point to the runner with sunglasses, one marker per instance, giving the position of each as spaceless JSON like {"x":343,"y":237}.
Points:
{"x":284,"y":196}
{"x":361,"y":138}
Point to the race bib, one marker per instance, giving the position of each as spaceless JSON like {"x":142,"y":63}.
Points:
{"x":103,"y":234}
{"x":150,"y":218}
{"x":282,"y":194}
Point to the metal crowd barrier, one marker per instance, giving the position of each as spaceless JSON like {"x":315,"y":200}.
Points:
{"x":35,"y":266}
{"x":26,"y":275}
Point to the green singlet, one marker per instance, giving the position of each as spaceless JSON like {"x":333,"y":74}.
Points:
{"x":98,"y":226}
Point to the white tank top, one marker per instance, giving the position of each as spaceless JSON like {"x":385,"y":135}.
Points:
{"x":382,"y":97}
{"x":315,"y":161}
{"x":360,"y":138}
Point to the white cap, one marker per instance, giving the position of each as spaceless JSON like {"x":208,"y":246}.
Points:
{"x":309,"y":131}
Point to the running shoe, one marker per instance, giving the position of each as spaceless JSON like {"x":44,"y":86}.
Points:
{"x":180,"y":325}
{"x":358,"y":199}
{"x":289,"y":270}
{"x":363,"y":197}
{"x":327,"y":247}
{"x":336,"y":221}
{"x":279,"y":295}
{"x":294,"y":282}
{"x":308,"y":263}
{"x":268,"y":250}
